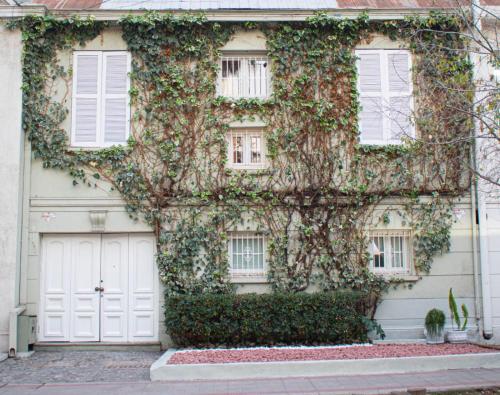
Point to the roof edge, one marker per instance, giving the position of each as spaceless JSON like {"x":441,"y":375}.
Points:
{"x":15,"y":11}
{"x":255,"y":15}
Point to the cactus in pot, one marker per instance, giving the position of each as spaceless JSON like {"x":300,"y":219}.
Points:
{"x":434,"y":325}
{"x":458,"y":335}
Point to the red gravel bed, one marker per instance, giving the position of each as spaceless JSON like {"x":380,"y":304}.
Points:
{"x":322,"y":353}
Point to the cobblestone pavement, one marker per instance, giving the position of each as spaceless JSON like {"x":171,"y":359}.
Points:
{"x":458,"y":380}
{"x":77,"y":367}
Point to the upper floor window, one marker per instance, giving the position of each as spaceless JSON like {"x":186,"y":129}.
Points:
{"x":246,"y":149}
{"x":247,"y":254}
{"x":385,"y":88}
{"x":390,"y":251}
{"x":100,"y":107}
{"x":244,"y":76}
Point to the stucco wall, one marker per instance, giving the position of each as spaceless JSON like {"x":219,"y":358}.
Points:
{"x":58,"y":207}
{"x":10,"y":173}
{"x":493,"y":213}
{"x":403,"y":310}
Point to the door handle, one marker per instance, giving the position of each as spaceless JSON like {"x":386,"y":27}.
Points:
{"x":100,"y":289}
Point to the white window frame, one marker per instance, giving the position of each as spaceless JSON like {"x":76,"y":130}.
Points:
{"x":406,"y":252}
{"x":101,"y":94}
{"x":247,"y":273}
{"x":247,"y":133}
{"x":243,"y":81}
{"x":385,"y":94}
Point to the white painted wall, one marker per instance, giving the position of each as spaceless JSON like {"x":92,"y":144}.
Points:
{"x":11,"y":145}
{"x":493,"y":215}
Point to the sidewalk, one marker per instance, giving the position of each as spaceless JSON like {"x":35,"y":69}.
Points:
{"x":365,"y":384}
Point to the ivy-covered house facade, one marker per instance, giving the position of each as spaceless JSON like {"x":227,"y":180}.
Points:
{"x":216,"y":149}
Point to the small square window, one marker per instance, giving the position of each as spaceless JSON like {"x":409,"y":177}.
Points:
{"x":390,"y":251}
{"x":245,"y":76}
{"x":246,"y":149}
{"x":247,"y":254}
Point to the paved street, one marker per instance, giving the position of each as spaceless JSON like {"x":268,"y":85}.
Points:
{"x":77,"y":367}
{"x":99,"y":372}
{"x":374,"y":384}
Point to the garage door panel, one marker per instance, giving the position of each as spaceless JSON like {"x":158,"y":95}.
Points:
{"x":55,"y":258}
{"x":84,"y":326}
{"x":143,"y":312}
{"x":114,"y":324}
{"x":85,"y":270}
{"x":54,"y":303}
{"x":123,"y":265}
{"x":86,"y":265}
{"x":143,"y":325}
{"x":54,"y":326}
{"x":55,"y":288}
{"x":143,"y":302}
{"x":114,"y":276}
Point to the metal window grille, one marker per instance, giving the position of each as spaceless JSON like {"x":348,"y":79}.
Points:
{"x":390,"y":251}
{"x":244,"y":76}
{"x":247,"y":254}
{"x":245,"y":148}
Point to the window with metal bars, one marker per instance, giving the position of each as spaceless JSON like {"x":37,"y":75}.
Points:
{"x":390,"y":251}
{"x":247,"y":255}
{"x":246,"y":149}
{"x":244,"y":76}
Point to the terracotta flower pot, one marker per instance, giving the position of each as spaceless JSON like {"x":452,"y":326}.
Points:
{"x":456,"y":336}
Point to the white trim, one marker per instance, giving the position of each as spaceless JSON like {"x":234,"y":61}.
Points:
{"x":385,"y":94}
{"x":258,"y":15}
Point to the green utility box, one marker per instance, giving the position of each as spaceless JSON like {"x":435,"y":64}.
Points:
{"x":26,"y":333}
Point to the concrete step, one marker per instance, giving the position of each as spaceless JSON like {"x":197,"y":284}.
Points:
{"x":96,"y":346}
{"x":399,"y":341}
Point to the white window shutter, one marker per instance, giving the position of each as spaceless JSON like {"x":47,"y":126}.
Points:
{"x":115,"y":97}
{"x":86,"y":87}
{"x":400,"y":113}
{"x":398,"y":72}
{"x":399,"y":80}
{"x":371,"y":119}
{"x":369,"y":73}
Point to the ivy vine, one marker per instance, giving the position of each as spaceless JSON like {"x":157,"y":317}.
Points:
{"x":316,"y":200}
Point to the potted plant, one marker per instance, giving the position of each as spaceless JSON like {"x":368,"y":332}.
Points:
{"x":458,"y":334}
{"x":434,"y":325}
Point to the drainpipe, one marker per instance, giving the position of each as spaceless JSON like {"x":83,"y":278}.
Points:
{"x":475,"y":261}
{"x":480,"y":187}
{"x":14,"y":313}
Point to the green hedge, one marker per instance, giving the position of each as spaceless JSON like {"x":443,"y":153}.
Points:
{"x":265,"y":319}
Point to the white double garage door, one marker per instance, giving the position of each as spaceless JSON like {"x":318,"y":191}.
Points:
{"x":99,"y":288}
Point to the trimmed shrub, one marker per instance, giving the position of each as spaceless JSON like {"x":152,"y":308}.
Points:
{"x":265,"y":319}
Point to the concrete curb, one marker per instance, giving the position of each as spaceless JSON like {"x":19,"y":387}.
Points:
{"x":160,"y":371}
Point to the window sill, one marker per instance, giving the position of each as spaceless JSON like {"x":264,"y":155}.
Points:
{"x":248,"y":168}
{"x":249,"y":279}
{"x":234,"y":100}
{"x":403,"y":277}
{"x":95,"y":148}
{"x":381,"y":143}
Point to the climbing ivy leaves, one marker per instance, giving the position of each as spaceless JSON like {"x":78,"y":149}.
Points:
{"x":315,"y":202}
